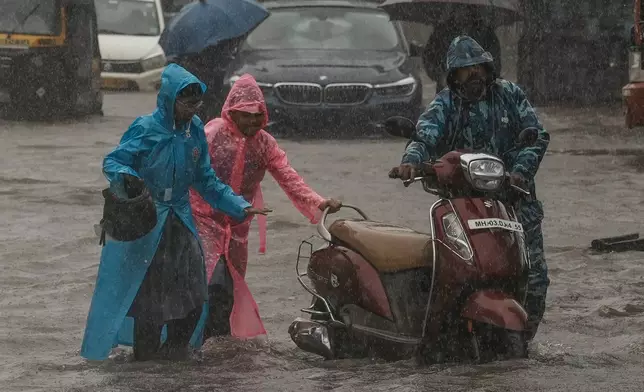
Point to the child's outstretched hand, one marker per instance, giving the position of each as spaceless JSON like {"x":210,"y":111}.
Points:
{"x":333,"y":204}
{"x":257,"y":211}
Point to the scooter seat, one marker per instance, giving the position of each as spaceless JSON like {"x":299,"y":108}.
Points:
{"x":388,"y":248}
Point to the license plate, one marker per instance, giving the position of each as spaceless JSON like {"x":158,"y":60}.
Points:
{"x":493,"y":223}
{"x":114,"y":83}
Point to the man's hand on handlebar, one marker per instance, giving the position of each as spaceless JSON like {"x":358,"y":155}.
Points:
{"x":404,"y":172}
{"x":517,"y":179}
{"x":518,"y":182}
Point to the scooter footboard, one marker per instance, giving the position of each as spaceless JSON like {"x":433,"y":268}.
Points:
{"x":495,"y":308}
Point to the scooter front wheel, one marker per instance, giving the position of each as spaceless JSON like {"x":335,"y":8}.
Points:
{"x":515,"y":344}
{"x":490,"y":343}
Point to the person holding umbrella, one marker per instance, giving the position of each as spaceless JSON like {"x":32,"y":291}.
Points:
{"x":204,"y":38}
{"x":469,"y":23}
{"x":152,"y":271}
{"x":210,"y":66}
{"x":451,"y":18}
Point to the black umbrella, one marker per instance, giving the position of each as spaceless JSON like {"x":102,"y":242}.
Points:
{"x":498,"y":12}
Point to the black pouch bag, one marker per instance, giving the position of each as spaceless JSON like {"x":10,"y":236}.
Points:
{"x":128,"y":219}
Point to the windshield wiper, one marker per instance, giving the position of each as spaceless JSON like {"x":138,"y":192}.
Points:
{"x":22,"y":23}
{"x":106,"y":31}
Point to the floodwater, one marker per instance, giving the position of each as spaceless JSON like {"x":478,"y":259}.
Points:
{"x":592,"y":338}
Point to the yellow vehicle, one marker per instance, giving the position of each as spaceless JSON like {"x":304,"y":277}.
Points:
{"x":49,"y":57}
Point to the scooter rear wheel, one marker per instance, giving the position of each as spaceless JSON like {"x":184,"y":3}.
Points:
{"x":345,"y":344}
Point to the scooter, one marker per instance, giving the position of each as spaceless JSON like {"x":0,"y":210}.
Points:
{"x":453,"y":294}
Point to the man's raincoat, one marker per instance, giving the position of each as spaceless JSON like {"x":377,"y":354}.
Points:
{"x":170,"y":161}
{"x":491,"y":125}
{"x":241,"y":162}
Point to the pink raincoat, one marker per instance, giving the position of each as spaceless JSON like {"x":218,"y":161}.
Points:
{"x":241,"y":162}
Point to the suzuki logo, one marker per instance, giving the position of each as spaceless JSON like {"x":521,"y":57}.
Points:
{"x":488,"y":203}
{"x":107,"y":67}
{"x":334,"y":281}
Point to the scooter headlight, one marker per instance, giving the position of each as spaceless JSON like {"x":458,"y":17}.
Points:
{"x":455,"y":235}
{"x":485,"y":172}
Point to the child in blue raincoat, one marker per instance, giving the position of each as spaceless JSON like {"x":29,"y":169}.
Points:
{"x":159,"y":280}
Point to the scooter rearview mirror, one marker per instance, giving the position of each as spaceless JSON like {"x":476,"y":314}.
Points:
{"x":400,"y":126}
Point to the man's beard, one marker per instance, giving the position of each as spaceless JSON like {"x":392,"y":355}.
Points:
{"x":473,"y":89}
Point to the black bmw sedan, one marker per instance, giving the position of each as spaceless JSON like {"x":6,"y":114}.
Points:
{"x":337,"y":66}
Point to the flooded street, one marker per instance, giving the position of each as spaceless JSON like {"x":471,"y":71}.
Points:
{"x":592,"y":338}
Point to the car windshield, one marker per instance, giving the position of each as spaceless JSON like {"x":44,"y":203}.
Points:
{"x":35,"y":17}
{"x":324,"y":28}
{"x":127,"y":17}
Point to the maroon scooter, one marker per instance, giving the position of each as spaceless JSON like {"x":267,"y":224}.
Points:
{"x":452,"y":294}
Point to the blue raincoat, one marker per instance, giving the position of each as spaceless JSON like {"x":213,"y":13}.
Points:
{"x":170,"y":161}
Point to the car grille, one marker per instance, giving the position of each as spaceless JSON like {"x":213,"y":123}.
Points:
{"x":346,"y":94}
{"x":300,"y":93}
{"x":133,"y":67}
{"x":315,"y":94}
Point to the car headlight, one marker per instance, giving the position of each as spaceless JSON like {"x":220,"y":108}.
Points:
{"x":233,"y":79}
{"x":455,"y":236}
{"x":267,"y":88}
{"x":153,"y":62}
{"x":402,"y":87}
{"x":484,"y":172}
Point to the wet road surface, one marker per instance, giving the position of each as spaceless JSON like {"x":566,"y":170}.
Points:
{"x":592,"y":338}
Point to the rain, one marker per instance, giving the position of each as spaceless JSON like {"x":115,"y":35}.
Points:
{"x":136,"y":134}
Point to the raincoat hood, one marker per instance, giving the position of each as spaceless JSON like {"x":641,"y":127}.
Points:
{"x":464,"y":51}
{"x":173,"y":79}
{"x":244,"y":96}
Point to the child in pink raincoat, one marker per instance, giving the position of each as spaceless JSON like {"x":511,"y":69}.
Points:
{"x":240,"y":153}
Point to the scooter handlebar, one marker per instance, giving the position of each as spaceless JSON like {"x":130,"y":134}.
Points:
{"x":520,"y":190}
{"x":428,"y":175}
{"x":321,"y":226}
{"x":415,"y":179}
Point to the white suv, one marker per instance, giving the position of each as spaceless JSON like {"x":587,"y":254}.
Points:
{"x":129,"y":32}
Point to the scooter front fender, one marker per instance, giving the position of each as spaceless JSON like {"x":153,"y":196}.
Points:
{"x":495,"y":308}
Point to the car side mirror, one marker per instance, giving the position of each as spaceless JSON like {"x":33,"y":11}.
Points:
{"x":415,"y":49}
{"x":400,"y":126}
{"x":528,"y":137}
